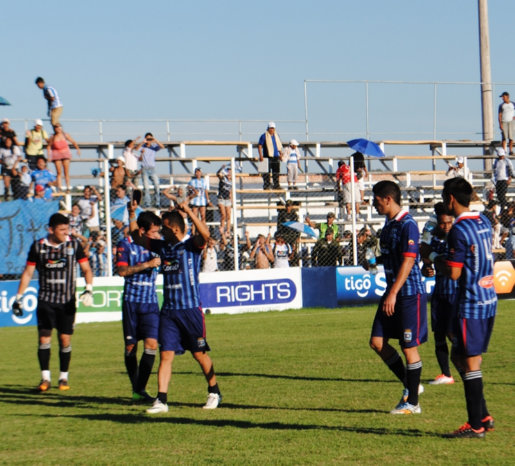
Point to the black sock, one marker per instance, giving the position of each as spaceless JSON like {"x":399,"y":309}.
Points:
{"x":145,"y":369}
{"x":162,"y":397}
{"x":396,"y":365}
{"x":65,"y":356}
{"x":413,"y":372}
{"x":44,"y":356}
{"x":484,"y":409}
{"x":213,"y":389}
{"x":131,"y":363}
{"x":473,"y":382}
{"x":442,"y":356}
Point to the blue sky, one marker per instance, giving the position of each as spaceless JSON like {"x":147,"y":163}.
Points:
{"x":248,"y":60}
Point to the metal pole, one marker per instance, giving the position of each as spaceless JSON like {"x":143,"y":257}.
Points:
{"x":234,"y":212}
{"x":306,"y":109}
{"x":107,"y":207}
{"x":366,"y":110}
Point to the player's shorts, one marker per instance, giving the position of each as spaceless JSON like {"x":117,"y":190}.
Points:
{"x":139,"y":321}
{"x":408,"y":324}
{"x":508,"y":129}
{"x":443,"y":312}
{"x":181,"y":330}
{"x":472,"y":335}
{"x":58,"y":316}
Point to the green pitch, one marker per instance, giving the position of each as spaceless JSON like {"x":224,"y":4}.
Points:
{"x":299,"y":387}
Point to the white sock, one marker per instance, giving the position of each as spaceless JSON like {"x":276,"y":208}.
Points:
{"x":63,"y":376}
{"x":45,"y":375}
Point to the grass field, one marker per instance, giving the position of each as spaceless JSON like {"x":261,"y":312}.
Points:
{"x":300,"y":387}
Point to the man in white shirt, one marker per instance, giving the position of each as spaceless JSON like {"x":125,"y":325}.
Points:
{"x":502,"y":174}
{"x":506,"y":123}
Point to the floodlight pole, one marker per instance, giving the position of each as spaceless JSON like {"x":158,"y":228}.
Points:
{"x":486,"y":80}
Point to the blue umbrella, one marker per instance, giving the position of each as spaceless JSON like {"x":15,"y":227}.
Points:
{"x":366,"y":147}
{"x":302,"y":227}
{"x":4,"y":101}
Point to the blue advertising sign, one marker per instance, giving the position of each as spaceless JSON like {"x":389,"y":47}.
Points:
{"x":21,"y":223}
{"x":30,"y":304}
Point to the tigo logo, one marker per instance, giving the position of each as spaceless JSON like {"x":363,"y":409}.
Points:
{"x":504,"y":277}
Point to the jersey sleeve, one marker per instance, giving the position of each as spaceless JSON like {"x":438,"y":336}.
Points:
{"x":32,"y":258}
{"x":81,"y":255}
{"x":409,"y":240}
{"x":122,"y":254}
{"x":457,"y":249}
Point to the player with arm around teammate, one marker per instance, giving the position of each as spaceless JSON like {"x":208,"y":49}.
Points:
{"x":140,"y":308}
{"x":181,"y":321}
{"x":401,"y":312}
{"x":470,"y":262}
{"x":55,"y":257}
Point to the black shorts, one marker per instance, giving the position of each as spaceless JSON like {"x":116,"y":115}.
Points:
{"x":58,"y":316}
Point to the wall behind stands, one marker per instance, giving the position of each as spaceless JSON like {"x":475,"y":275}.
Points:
{"x":245,"y":291}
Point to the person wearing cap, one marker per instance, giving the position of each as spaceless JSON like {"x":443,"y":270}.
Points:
{"x":502,"y":175}
{"x":270,"y":147}
{"x":55,"y":107}
{"x":39,"y":194}
{"x":7,"y":132}
{"x":459,"y":169}
{"x":327,"y":252}
{"x":291,"y":155}
{"x":506,"y":117}
{"x":34,"y":140}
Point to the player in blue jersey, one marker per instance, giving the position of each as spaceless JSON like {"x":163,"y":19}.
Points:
{"x":401,"y":313}
{"x":470,"y":262}
{"x":140,"y":309}
{"x":443,"y":300}
{"x":181,"y":322}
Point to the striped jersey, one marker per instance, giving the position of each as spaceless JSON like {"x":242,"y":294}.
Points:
{"x":140,"y":287}
{"x":443,"y":285}
{"x":470,"y":248}
{"x":180,"y":265}
{"x":399,"y":239}
{"x":57,"y":268}
{"x":200,"y":185}
{"x":50,"y":93}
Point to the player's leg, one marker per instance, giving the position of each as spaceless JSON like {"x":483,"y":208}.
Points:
{"x":146,"y":364}
{"x":440,"y":325}
{"x":65,"y":355}
{"x":45,"y":340}
{"x":214,"y":397}
{"x":413,"y":373}
{"x":131,"y":363}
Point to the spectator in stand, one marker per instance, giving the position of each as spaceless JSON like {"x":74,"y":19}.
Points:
{"x":490,"y":213}
{"x":506,"y":123}
{"x":210,"y":256}
{"x":149,"y":150}
{"x":132,"y":158}
{"x":10,"y":156}
{"x":323,"y":227}
{"x":270,"y":147}
{"x":327,"y":252}
{"x":21,"y":181}
{"x":34,"y":140}
{"x":361,"y":172}
{"x":97,"y":255}
{"x":120,"y":197}
{"x":60,"y":154}
{"x":7,"y":132}
{"x":224,"y":198}
{"x":282,"y":252}
{"x":180,"y":197}
{"x":344,"y":188}
{"x":43,"y":177}
{"x":363,"y":242}
{"x":507,"y":218}
{"x":76,"y":220}
{"x":502,"y":175}
{"x":459,"y":169}
{"x":55,"y":107}
{"x":291,"y":155}
{"x":288,"y":214}
{"x":89,"y":205}
{"x":262,"y":252}
{"x":199,"y":186}
{"x":39,"y":194}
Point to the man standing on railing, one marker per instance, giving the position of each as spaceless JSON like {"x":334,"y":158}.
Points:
{"x":148,"y":168}
{"x":506,"y":120}
{"x":270,"y":147}
{"x":55,"y":107}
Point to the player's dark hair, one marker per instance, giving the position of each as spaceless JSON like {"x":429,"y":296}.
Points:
{"x":58,"y":219}
{"x":147,"y":219}
{"x":387,"y":188}
{"x":460,"y":188}
{"x":441,"y":209}
{"x":174,"y":217}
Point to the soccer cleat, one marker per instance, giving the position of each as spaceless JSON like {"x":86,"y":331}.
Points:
{"x":466,"y":431}
{"x":213,"y":400}
{"x":157,"y":407}
{"x":488,"y":423}
{"x":44,"y":385}
{"x":142,"y":396}
{"x":405,"y":394}
{"x":406,"y":408}
{"x":442,"y":379}
{"x":63,"y":385}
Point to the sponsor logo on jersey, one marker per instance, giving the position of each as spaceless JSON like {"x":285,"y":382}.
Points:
{"x":56,"y":263}
{"x":486,"y":282}
{"x":408,"y":335}
{"x":171,"y":266}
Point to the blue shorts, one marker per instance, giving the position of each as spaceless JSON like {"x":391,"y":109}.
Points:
{"x":408,"y":323}
{"x":472,"y":335}
{"x":443,"y":312}
{"x":181,"y":330}
{"x":140,"y":321}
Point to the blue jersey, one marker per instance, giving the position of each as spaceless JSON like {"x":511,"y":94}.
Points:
{"x":43,"y":177}
{"x":180,"y":264}
{"x":140,"y":287}
{"x":443,"y":285}
{"x":470,"y":248}
{"x":399,"y":239}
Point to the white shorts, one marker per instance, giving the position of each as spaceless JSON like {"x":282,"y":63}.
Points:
{"x":347,"y":199}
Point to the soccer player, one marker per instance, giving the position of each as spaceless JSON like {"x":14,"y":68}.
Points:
{"x":181,"y":321}
{"x":140,"y":308}
{"x":443,"y":300}
{"x":470,"y":262}
{"x":401,"y":313}
{"x":55,"y":257}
